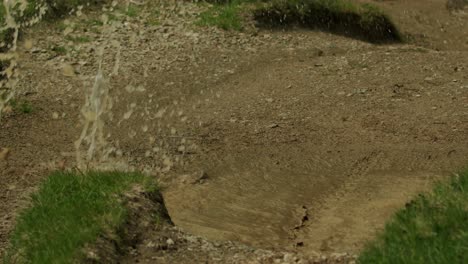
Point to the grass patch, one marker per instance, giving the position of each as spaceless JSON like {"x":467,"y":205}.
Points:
{"x":363,"y":21}
{"x":132,"y":11}
{"x":22,"y":107}
{"x":69,"y":211}
{"x":78,"y":39}
{"x":431,"y":229}
{"x":225,"y":15}
{"x":60,"y":50}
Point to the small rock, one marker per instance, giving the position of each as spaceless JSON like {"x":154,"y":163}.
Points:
{"x":68,"y":70}
{"x":288,"y":257}
{"x":4,"y":153}
{"x":36,"y":50}
{"x":150,"y":244}
{"x":28,"y":44}
{"x":92,"y":256}
{"x":170,"y":242}
{"x":273,"y":125}
{"x":7,"y":109}
{"x":202,"y":178}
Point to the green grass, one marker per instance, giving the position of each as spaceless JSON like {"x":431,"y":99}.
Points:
{"x":79,"y":39}
{"x":69,"y":211}
{"x":431,"y":229}
{"x":364,"y":21}
{"x":60,"y":50}
{"x":22,"y":107}
{"x":132,"y":11}
{"x":223,"y":15}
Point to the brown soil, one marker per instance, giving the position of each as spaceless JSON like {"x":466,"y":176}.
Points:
{"x":293,"y":141}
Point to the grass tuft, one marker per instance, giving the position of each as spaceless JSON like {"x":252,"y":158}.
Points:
{"x":363,"y":21}
{"x":69,"y":211}
{"x":431,"y":229}
{"x":78,"y":39}
{"x":132,"y":11}
{"x":24,"y":107}
{"x":225,"y":15}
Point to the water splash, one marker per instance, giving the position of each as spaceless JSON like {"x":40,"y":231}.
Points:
{"x":98,"y":106}
{"x":14,"y":18}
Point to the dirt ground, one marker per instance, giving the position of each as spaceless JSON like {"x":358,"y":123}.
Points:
{"x":296,"y":141}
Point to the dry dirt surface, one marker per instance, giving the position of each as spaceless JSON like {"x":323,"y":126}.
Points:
{"x":298,"y":141}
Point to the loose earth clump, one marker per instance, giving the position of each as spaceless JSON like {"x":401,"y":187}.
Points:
{"x":365,"y":22}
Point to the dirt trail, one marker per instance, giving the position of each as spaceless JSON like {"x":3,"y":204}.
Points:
{"x":329,"y":137}
{"x":299,"y":141}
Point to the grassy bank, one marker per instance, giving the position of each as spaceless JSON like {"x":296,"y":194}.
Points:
{"x":69,"y":211}
{"x":363,"y":21}
{"x":431,"y":229}
{"x":224,"y":14}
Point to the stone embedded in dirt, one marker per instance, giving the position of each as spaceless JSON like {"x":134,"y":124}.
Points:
{"x":4,"y":152}
{"x":170,"y":242}
{"x":7,"y":109}
{"x":68,"y":70}
{"x":273,"y":125}
{"x":28,"y":44}
{"x":202,"y":178}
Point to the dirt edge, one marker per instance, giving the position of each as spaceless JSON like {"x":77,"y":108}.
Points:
{"x":144,"y":208}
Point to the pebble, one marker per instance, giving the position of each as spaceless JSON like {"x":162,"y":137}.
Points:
{"x":4,"y":153}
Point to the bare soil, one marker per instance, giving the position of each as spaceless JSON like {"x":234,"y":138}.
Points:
{"x":285,"y":141}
